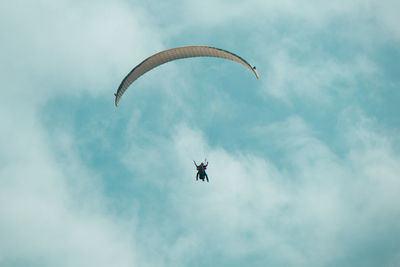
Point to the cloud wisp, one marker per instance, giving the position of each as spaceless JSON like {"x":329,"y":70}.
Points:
{"x":84,"y":184}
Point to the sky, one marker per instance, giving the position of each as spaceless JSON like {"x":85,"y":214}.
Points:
{"x":304,"y":163}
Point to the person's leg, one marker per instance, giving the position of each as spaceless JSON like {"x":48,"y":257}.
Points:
{"x":206,"y":177}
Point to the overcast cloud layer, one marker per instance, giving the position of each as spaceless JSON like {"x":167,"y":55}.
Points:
{"x":304,"y":163}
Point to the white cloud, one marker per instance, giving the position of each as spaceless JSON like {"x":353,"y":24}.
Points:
{"x":315,"y":13}
{"x":53,"y":210}
{"x":295,"y":61}
{"x":314,"y":211}
{"x":318,"y":80}
{"x":46,"y":218}
{"x":72,"y":47}
{"x":313,"y":208}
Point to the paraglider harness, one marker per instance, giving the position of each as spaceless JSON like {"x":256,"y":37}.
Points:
{"x":201,"y":171}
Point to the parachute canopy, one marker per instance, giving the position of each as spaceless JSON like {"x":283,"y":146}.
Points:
{"x":173,"y":54}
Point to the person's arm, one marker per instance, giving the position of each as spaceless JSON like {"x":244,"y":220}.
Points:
{"x":195,"y":164}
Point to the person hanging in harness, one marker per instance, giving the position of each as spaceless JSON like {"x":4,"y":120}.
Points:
{"x":201,"y":171}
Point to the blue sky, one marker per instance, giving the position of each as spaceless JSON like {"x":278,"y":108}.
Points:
{"x":304,"y":163}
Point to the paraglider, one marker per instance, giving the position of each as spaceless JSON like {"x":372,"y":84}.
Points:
{"x":201,"y":171}
{"x":174,"y":54}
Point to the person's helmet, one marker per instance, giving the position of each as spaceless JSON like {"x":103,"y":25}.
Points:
{"x":202,"y":164}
